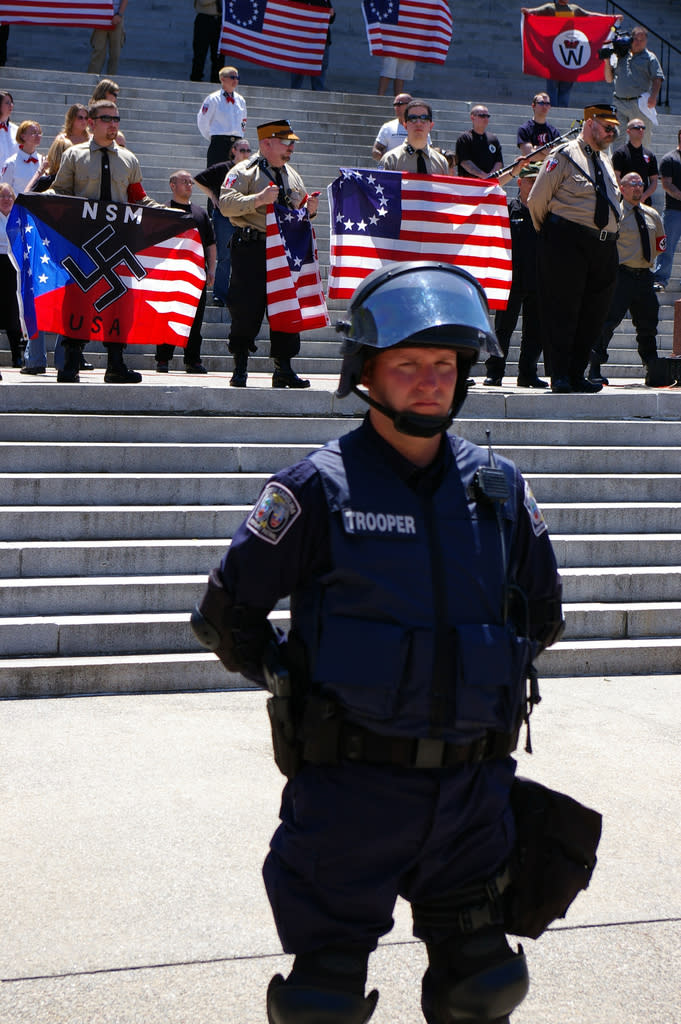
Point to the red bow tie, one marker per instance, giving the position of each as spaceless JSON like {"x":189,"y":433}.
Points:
{"x":31,"y":160}
{"x":228,"y":96}
{"x":3,"y":125}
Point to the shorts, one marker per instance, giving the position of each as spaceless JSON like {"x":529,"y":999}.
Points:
{"x":401,"y":69}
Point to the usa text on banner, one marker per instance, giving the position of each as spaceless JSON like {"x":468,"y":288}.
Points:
{"x":408,"y":29}
{"x":276,"y":34}
{"x":295,"y":297}
{"x":565,"y":48}
{"x":106,"y":271}
{"x":74,"y":14}
{"x":378,"y":216}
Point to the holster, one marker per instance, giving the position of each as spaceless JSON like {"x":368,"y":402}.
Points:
{"x":554,"y":858}
{"x":288,"y":751}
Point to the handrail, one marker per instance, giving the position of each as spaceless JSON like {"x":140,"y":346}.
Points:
{"x":665,"y":47}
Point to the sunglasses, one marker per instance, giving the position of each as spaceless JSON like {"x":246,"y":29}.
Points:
{"x":543,"y":103}
{"x":637,"y":128}
{"x":400,"y":103}
{"x":244,"y":149}
{"x":481,"y":115}
{"x":609,"y":129}
{"x":107,"y":118}
{"x":418,"y":117}
{"x":231,"y":76}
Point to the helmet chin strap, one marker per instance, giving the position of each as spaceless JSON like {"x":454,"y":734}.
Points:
{"x":411,"y":423}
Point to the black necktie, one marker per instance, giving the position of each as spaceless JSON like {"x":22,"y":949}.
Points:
{"x":281,"y":198}
{"x":602,"y":214}
{"x":105,"y":185}
{"x":420,"y":162}
{"x":643,"y":232}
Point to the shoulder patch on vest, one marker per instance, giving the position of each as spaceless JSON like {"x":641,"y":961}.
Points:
{"x":534,"y":512}
{"x":276,"y":511}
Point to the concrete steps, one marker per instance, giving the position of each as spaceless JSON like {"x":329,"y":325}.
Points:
{"x":116,"y":503}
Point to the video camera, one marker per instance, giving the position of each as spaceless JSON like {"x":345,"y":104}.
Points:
{"x":619,"y":44}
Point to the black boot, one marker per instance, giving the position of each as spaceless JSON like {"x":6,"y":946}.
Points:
{"x":72,"y":355}
{"x":285,"y":377}
{"x":594,"y":373}
{"x":240,"y":374}
{"x":116,"y":370}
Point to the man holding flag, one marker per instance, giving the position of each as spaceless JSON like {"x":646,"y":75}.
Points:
{"x":247,"y":192}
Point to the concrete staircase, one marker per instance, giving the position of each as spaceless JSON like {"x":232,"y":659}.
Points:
{"x":484,"y":61}
{"x":116,"y":502}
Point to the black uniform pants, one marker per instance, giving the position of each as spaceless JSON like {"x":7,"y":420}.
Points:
{"x":219,"y":148}
{"x":192,"y":352}
{"x":247,"y":301}
{"x":206,"y":37}
{"x":531,"y":341}
{"x":576,"y":274}
{"x":634,"y":293}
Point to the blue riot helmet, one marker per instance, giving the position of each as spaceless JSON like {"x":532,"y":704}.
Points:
{"x":416,"y":303}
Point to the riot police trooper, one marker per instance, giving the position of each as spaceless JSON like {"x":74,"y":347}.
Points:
{"x":422,"y":584}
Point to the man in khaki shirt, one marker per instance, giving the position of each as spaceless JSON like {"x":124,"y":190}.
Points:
{"x":414,"y":154}
{"x":82,"y":172}
{"x":641,"y":239}
{"x":576,"y":209}
{"x":246,"y":192}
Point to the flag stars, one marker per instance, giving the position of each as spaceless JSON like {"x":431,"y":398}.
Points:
{"x":42,"y":278}
{"x":45,"y":258}
{"x":362,"y":226}
{"x":349,"y":224}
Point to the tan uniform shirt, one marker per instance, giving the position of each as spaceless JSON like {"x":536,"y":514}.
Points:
{"x":80,"y":173}
{"x":400,"y":159}
{"x":629,"y":248}
{"x":561,"y":188}
{"x":245,"y":180}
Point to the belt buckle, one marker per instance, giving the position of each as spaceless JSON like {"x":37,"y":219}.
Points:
{"x":429,"y":753}
{"x":603,"y":236}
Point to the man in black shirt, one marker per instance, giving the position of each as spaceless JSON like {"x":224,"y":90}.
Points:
{"x":634,"y":156}
{"x":478,"y":154}
{"x":537,"y":131}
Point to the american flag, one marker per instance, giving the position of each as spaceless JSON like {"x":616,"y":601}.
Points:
{"x":295,"y":297}
{"x":74,"y":14}
{"x":105,"y":271}
{"x":276,"y":33}
{"x":408,"y":29}
{"x":378,"y":216}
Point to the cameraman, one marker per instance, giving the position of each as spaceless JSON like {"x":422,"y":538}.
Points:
{"x":636,"y":75}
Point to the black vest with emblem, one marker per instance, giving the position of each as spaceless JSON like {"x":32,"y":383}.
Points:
{"x":406,"y":629}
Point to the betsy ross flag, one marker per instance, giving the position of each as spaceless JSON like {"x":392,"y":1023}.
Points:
{"x":565,"y":48}
{"x":74,"y":14}
{"x":408,"y":29}
{"x":276,"y":33}
{"x":295,"y":298}
{"x":103,"y":271}
{"x":378,"y":216}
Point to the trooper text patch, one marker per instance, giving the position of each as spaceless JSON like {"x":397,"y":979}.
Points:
{"x":386,"y":523}
{"x":534,"y":512}
{"x":277,"y":509}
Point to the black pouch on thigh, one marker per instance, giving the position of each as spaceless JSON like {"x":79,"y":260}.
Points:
{"x":554,"y":859}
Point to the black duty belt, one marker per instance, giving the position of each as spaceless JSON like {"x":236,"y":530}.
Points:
{"x":601,"y":235}
{"x":355,"y":743}
{"x":249,"y":235}
{"x":625,"y":98}
{"x":636,"y":271}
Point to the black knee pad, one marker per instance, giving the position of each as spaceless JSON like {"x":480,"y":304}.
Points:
{"x":304,"y":1004}
{"x":484,"y":985}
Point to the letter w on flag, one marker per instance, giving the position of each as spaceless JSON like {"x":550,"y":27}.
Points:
{"x":276,"y":33}
{"x":295,"y":298}
{"x":408,"y":29}
{"x":71,"y":13}
{"x":105,"y":271}
{"x":379,"y":216}
{"x":565,"y":48}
